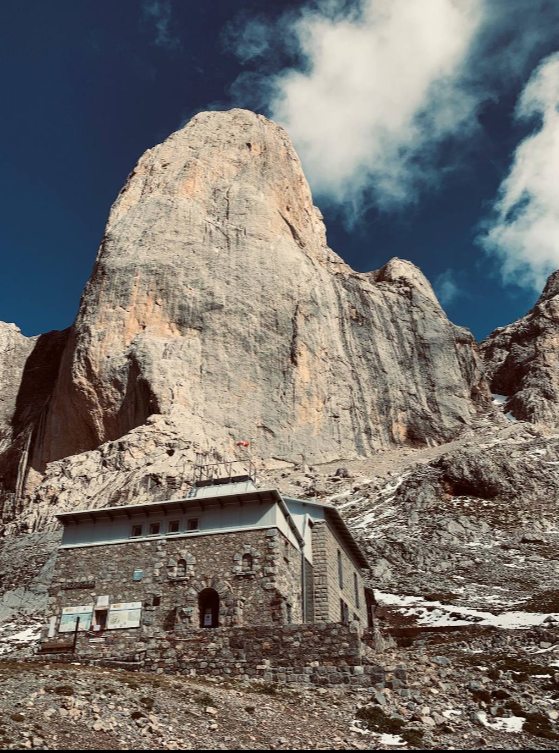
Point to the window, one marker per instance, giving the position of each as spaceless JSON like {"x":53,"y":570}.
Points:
{"x":137,"y":531}
{"x":137,"y":575}
{"x":344,"y":612}
{"x":174,"y":526}
{"x":356,"y":586}
{"x":100,"y":619}
{"x":156,"y":601}
{"x":154,"y":529}
{"x":192,"y":524}
{"x":340,"y":570}
{"x":247,"y":563}
{"x":181,"y":568}
{"x":289,"y":613}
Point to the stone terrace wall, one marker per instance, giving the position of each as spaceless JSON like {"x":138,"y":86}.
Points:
{"x":318,"y":654}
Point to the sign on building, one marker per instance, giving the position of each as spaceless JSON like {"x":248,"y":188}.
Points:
{"x":69,"y":619}
{"x":125,"y":615}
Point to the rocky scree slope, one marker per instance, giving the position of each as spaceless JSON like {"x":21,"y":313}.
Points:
{"x":522,"y":360}
{"x":216,"y":311}
{"x":465,"y":533}
{"x":469,"y":691}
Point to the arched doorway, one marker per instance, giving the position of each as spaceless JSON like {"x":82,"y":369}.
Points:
{"x":208,"y":605}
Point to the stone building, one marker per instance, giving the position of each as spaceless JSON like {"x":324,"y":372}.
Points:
{"x":229,"y":555}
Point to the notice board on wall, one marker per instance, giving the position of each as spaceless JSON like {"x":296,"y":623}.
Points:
{"x":125,"y":615}
{"x":69,"y":618}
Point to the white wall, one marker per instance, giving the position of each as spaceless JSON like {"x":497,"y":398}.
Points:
{"x":214,"y":520}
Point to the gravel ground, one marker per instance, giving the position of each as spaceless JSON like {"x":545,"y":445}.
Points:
{"x":471,"y":689}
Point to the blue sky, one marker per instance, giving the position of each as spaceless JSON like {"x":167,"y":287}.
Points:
{"x":431,"y":137}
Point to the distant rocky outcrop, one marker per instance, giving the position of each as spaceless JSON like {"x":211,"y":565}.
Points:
{"x":474,"y":527}
{"x":522,"y":360}
{"x":216,"y":304}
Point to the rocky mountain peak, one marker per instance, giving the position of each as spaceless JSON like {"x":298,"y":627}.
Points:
{"x":216,"y":304}
{"x":551,"y":288}
{"x":402,"y":271}
{"x":521,"y":360}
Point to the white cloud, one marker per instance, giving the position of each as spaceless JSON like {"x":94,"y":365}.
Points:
{"x":378,"y":90}
{"x":159,"y":12}
{"x":523,"y":231}
{"x":373,"y":91}
{"x":249,"y":37}
{"x":447,"y":288}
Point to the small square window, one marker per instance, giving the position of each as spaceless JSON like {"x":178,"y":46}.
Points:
{"x":286,"y":552}
{"x":154,"y":529}
{"x":137,"y":531}
{"x":174,"y":526}
{"x":157,"y":601}
{"x":192,"y":524}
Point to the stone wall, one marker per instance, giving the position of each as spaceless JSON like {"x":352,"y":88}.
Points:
{"x":328,"y":593}
{"x":318,"y":654}
{"x":175,"y":571}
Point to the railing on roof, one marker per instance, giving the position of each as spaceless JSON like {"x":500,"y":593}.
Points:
{"x":227,"y":471}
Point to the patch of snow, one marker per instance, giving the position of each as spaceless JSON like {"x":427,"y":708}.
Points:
{"x":499,"y":399}
{"x":351,"y":502}
{"x":435,"y":614}
{"x":503,"y":724}
{"x":386,"y":739}
{"x":26,"y":636}
{"x":338,"y":496}
{"x":9,"y":640}
{"x":451,"y":713}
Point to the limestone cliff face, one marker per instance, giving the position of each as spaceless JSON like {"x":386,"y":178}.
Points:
{"x":217,"y":312}
{"x":216,"y":298}
{"x":14,"y":351}
{"x":522,"y":360}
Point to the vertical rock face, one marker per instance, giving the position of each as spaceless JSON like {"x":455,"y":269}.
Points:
{"x":28,"y":374}
{"x":215,"y":298}
{"x":522,"y":360}
{"x":217,"y":312}
{"x":14,"y":351}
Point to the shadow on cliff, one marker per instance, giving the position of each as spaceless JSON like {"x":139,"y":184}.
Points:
{"x":37,"y":385}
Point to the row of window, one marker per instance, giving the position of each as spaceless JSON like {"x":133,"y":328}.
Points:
{"x":341,"y":579}
{"x":156,"y":529}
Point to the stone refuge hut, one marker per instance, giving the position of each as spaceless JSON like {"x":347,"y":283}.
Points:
{"x":231,"y":557}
